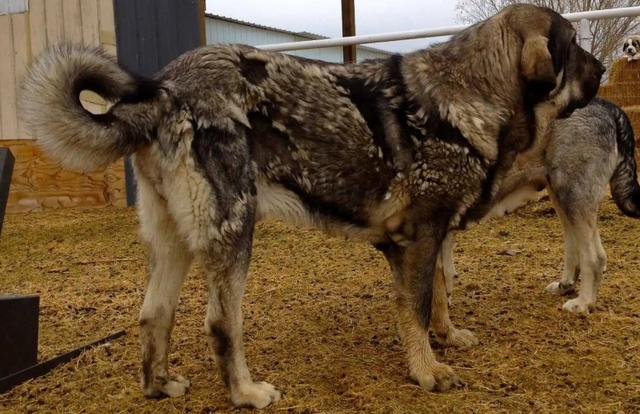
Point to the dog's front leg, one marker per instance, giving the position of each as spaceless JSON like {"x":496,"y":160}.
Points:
{"x":446,"y":333}
{"x":413,"y":268}
{"x":226,"y":276}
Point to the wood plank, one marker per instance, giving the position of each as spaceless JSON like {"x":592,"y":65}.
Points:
{"x":54,"y":22}
{"x":107,"y":38}
{"x":41,"y":184}
{"x":107,"y":22}
{"x":37,"y":27}
{"x":107,"y":25}
{"x":90,"y":22}
{"x":72,"y":21}
{"x":21,"y":56}
{"x":8,"y":113}
{"x":110,"y":48}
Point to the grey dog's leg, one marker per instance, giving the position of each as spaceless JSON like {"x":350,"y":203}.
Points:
{"x":226,"y":274}
{"x":571,"y":265}
{"x":170,"y":260}
{"x":593,"y":260}
{"x":447,"y":263}
{"x":446,"y":332}
{"x":584,"y":254}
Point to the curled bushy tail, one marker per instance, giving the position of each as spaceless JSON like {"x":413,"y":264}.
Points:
{"x":624,"y":181}
{"x":50,"y":106}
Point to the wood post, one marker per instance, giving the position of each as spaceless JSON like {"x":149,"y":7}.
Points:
{"x":202,"y":11}
{"x":348,"y":29}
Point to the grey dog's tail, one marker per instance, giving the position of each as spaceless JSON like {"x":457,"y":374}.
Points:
{"x":51,"y":108}
{"x":624,"y":181}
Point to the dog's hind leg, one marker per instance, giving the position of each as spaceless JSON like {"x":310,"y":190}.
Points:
{"x":571,"y":264}
{"x":445,"y":332}
{"x":170,"y":261}
{"x":413,"y":268}
{"x":226,"y":273}
{"x":577,"y":208}
{"x":593,"y":260}
{"x":447,"y":263}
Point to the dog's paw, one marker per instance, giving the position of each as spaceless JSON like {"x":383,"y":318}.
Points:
{"x":255,"y":394}
{"x":460,"y":338}
{"x":577,"y":305}
{"x":177,"y":386}
{"x":560,"y":289}
{"x":441,"y":378}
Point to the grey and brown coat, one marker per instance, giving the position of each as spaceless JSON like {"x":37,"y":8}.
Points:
{"x":394,"y":152}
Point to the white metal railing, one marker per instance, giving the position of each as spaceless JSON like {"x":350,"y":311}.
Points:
{"x":582,"y":17}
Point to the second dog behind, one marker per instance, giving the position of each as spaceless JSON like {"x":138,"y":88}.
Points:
{"x":631,"y":48}
{"x":587,"y":151}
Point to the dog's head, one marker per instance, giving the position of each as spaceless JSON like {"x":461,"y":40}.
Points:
{"x":631,"y":47}
{"x":518,"y":70}
{"x":554,"y":68}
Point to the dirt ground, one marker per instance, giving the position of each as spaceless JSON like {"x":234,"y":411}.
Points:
{"x":320,"y":325}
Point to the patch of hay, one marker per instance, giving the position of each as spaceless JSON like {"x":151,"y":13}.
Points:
{"x":621,"y":93}
{"x":319,"y":321}
{"x":625,"y":71}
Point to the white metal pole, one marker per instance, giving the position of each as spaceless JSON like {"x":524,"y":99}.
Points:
{"x":357,"y":40}
{"x":442,"y":31}
{"x":585,"y":36}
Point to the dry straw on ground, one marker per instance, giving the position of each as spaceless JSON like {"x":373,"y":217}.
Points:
{"x":319,"y":321}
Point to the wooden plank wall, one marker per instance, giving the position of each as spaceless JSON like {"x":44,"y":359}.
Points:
{"x":39,"y":183}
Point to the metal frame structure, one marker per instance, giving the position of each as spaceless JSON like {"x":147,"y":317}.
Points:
{"x":582,"y":17}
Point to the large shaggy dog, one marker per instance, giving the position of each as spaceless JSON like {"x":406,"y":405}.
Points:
{"x":586,"y":152}
{"x":394,"y":152}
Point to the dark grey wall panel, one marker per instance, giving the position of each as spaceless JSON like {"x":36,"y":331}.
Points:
{"x":18,"y":332}
{"x":151,"y":33}
{"x":6,"y":171}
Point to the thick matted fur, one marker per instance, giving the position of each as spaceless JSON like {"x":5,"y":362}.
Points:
{"x":394,"y":152}
{"x":586,"y":152}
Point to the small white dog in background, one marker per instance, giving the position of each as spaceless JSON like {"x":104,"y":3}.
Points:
{"x":631,"y":48}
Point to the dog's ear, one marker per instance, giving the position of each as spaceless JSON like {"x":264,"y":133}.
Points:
{"x":536,"y":61}
{"x":546,"y":50}
{"x":625,"y":46}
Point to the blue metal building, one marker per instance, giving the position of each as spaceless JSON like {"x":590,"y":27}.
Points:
{"x":226,"y":30}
